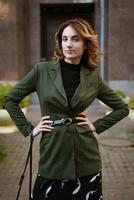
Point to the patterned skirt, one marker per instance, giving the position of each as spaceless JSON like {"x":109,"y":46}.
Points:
{"x":84,"y":188}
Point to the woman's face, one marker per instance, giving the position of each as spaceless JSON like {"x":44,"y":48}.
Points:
{"x":73,"y":45}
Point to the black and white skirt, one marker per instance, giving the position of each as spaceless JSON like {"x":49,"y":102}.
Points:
{"x":84,"y":188}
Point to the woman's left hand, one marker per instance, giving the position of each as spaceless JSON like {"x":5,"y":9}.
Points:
{"x":83,"y":119}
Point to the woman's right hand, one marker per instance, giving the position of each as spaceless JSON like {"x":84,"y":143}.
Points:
{"x":43,"y":125}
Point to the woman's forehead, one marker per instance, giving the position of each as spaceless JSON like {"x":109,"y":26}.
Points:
{"x":69,"y":31}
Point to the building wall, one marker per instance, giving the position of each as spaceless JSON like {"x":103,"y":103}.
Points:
{"x":8,"y":39}
{"x":14,"y":41}
{"x":121,"y":40}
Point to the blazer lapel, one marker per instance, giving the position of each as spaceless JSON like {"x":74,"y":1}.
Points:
{"x":81,"y":91}
{"x":55,"y":73}
{"x":82,"y":87}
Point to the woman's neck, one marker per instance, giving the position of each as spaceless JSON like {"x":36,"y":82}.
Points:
{"x":71,"y":61}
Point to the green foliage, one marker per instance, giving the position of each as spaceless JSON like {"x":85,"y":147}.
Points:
{"x":25,"y":102}
{"x":120,"y":92}
{"x":4,"y":89}
{"x":131,"y":103}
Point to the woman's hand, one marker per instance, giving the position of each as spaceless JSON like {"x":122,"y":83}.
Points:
{"x":43,"y":125}
{"x":83,"y":119}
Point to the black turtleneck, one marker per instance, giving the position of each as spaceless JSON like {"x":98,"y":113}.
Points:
{"x":71,"y":77}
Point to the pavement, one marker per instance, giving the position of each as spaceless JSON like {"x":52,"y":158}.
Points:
{"x":117,"y":151}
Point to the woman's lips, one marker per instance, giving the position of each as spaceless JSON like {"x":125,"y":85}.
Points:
{"x":69,"y":51}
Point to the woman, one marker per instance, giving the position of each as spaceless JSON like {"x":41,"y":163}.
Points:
{"x":70,"y":162}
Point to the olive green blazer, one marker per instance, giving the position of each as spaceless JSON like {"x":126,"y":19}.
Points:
{"x":69,"y":151}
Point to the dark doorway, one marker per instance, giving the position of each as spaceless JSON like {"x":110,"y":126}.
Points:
{"x":52,"y":15}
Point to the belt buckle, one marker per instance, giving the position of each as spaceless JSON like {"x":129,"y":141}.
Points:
{"x":67,"y":120}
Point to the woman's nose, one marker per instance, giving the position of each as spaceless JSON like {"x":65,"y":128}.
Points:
{"x":69,"y":43}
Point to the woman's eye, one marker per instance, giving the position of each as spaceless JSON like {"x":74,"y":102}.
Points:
{"x":76,"y":39}
{"x":64,"y":39}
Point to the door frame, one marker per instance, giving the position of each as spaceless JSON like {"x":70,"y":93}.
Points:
{"x":85,"y":10}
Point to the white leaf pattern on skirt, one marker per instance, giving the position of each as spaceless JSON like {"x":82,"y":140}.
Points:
{"x":78,"y":188}
{"x":63,"y":182}
{"x":88,"y":194}
{"x":94,"y":177}
{"x":100,"y":197}
{"x":47,"y":191}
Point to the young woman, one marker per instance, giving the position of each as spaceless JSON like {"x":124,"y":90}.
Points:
{"x":70,"y":162}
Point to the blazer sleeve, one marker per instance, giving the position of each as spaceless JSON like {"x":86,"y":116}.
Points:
{"x":11,"y":101}
{"x":111,"y":99}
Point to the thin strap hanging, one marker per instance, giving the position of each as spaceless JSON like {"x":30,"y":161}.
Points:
{"x":29,"y":158}
{"x":30,"y":168}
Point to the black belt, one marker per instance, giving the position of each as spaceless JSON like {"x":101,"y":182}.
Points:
{"x":63,"y":121}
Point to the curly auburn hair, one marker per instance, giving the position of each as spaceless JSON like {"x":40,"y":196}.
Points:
{"x":90,"y":55}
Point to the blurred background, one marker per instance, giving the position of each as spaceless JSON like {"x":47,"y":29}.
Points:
{"x":27,"y":30}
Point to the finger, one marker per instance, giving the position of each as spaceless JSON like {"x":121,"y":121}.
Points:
{"x":81,"y":123}
{"x":46,"y":130}
{"x":45,"y":117}
{"x":83,"y":114}
{"x":47,"y":126}
{"x":47,"y":122}
{"x":81,"y":118}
